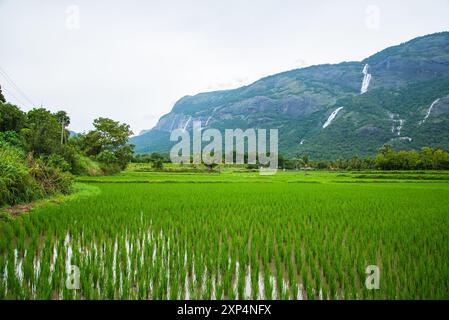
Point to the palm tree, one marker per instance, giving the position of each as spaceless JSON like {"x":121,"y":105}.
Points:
{"x":64,"y":120}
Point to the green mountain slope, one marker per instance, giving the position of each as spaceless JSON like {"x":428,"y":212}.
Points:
{"x":401,"y":84}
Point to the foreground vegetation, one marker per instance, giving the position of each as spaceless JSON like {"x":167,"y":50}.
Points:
{"x":38,"y":159}
{"x":294,"y":235}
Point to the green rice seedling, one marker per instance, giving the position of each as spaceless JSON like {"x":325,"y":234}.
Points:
{"x":184,"y":240}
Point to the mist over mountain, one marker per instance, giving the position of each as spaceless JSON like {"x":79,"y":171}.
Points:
{"x":398,"y":96}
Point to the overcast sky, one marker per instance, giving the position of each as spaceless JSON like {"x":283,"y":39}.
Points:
{"x":132,"y":60}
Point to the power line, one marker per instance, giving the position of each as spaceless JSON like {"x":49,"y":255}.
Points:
{"x":20,"y":91}
{"x":15,"y":86}
{"x":14,"y":96}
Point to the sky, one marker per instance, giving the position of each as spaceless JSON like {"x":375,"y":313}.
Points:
{"x":132,"y":60}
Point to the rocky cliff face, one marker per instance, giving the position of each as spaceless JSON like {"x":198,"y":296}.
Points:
{"x":394,"y":87}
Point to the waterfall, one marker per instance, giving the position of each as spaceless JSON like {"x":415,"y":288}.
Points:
{"x":429,"y":111}
{"x":331,"y":117}
{"x":397,"y":123}
{"x":366,"y":79}
{"x":187,"y":123}
{"x":172,"y":124}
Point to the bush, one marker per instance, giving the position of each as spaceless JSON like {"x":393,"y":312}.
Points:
{"x":57,"y":161}
{"x":16,"y":185}
{"x":86,"y":166}
{"x":157,"y":164}
{"x":52,"y":180}
{"x":11,"y":138}
{"x":110,"y":168}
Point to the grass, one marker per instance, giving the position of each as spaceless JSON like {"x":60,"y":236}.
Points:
{"x":234,"y":235}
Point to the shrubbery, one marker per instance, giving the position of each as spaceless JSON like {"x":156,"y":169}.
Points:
{"x":38,"y":159}
{"x":50,"y":178}
{"x":24,"y":179}
{"x":16,"y":183}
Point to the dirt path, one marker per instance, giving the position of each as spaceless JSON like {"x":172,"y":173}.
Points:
{"x":19,"y":209}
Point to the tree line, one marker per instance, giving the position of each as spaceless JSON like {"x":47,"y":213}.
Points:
{"x":386,"y":159}
{"x":39,"y":156}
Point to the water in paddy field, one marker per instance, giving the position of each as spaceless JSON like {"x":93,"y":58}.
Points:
{"x":128,"y":262}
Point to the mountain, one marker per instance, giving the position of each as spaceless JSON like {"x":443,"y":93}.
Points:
{"x":73,"y":134}
{"x":398,"y":96}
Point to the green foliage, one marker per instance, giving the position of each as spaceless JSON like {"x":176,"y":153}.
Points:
{"x":108,"y":143}
{"x":51,"y":179}
{"x":11,"y":118}
{"x":64,"y":121}
{"x":427,"y":158}
{"x":16,"y":184}
{"x":42,"y":133}
{"x":5,"y":217}
{"x":147,"y":158}
{"x":86,"y":166}
{"x":157,"y":164}
{"x":2,"y":98}
{"x":11,"y":138}
{"x":52,"y":157}
{"x":58,"y":162}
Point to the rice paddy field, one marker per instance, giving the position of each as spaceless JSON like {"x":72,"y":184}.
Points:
{"x":234,"y":235}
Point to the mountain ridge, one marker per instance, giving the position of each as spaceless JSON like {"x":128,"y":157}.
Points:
{"x":299,"y":102}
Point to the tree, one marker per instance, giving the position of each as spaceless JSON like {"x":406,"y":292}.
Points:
{"x":158,"y":164}
{"x":441,"y":159}
{"x":305,"y":160}
{"x":90,"y":143}
{"x":108,"y":142}
{"x":386,"y":149}
{"x":2,"y":98}
{"x":11,"y":118}
{"x":426,"y":156}
{"x":64,"y":121}
{"x":385,"y":158}
{"x":322,"y":164}
{"x":155,"y":156}
{"x":42,"y":132}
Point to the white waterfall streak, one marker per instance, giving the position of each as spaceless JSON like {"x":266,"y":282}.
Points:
{"x":397,"y":123}
{"x":429,"y":110}
{"x":187,"y":123}
{"x":399,"y":127}
{"x":332,"y":117}
{"x":207,"y":121}
{"x":366,"y":79}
